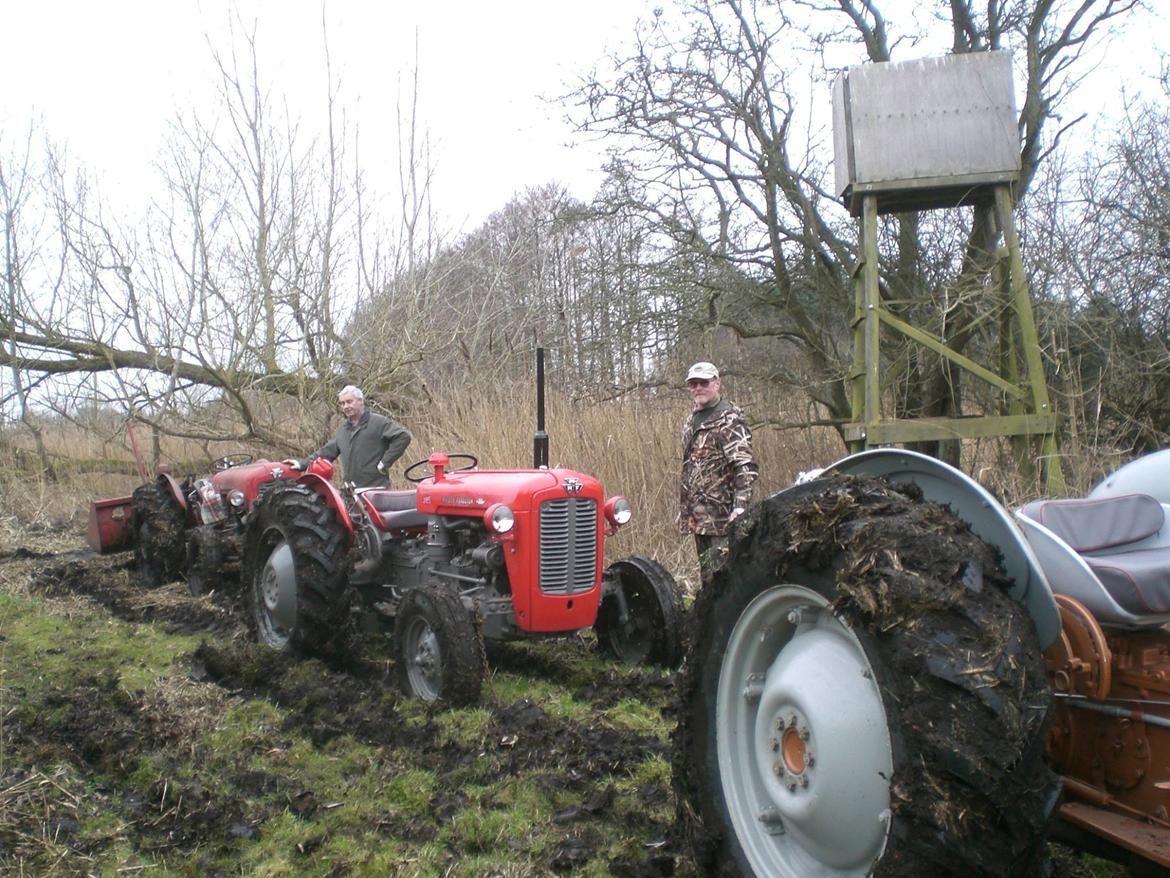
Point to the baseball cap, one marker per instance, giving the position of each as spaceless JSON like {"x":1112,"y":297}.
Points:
{"x":705,"y":371}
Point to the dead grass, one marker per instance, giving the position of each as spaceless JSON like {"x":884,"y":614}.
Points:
{"x":632,"y":446}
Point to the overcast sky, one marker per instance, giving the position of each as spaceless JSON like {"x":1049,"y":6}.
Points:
{"x":108,"y":76}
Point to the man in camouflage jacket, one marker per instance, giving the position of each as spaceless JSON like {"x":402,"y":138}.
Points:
{"x":718,"y":467}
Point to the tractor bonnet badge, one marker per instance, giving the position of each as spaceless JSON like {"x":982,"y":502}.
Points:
{"x":573,"y":486}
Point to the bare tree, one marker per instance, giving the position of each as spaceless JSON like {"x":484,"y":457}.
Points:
{"x":24,"y":223}
{"x":715,"y":142}
{"x":1105,"y":282}
{"x":224,"y":313}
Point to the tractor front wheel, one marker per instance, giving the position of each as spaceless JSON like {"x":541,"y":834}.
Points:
{"x":159,"y":523}
{"x":639,"y":621}
{"x":295,"y":570}
{"x":438,"y":646}
{"x":205,"y":560}
{"x":862,"y":697}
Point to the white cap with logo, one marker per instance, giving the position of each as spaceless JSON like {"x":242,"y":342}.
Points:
{"x":704,"y":371}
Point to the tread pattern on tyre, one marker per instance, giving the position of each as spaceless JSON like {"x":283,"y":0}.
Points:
{"x":166,"y":522}
{"x":960,"y":671}
{"x":310,"y":526}
{"x":664,"y":626}
{"x":205,"y":560}
{"x":463,"y":669}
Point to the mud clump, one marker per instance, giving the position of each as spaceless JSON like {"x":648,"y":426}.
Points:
{"x":111,"y":582}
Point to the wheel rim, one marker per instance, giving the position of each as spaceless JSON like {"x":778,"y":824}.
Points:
{"x":632,"y":641}
{"x":276,"y":597}
{"x":803,"y":746}
{"x":424,"y":660}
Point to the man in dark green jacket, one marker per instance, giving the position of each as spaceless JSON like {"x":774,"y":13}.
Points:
{"x":368,"y":443}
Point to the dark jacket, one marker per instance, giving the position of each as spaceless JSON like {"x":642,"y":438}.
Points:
{"x":375,"y":438}
{"x":718,"y":469}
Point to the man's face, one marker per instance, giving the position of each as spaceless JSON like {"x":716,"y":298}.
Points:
{"x":703,"y":391}
{"x":351,"y":406}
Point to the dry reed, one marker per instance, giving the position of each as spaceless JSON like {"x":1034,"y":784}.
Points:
{"x":631,"y":445}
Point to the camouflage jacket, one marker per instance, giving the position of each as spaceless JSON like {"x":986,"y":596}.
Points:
{"x":717,"y":470}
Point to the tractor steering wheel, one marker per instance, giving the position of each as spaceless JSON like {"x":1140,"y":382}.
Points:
{"x":471,"y":462}
{"x":230,"y":460}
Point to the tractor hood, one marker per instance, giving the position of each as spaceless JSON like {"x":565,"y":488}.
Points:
{"x":473,"y":491}
{"x":249,"y":477}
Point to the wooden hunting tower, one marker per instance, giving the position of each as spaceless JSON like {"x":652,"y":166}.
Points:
{"x":932,"y":134}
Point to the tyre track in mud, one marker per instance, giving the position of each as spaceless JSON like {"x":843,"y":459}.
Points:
{"x":107,"y":732}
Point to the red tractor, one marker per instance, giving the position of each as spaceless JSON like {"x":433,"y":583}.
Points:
{"x":193,"y":528}
{"x":465,"y":556}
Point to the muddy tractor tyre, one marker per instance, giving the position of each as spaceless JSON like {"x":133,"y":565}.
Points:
{"x":205,"y":560}
{"x":294,"y":571}
{"x":651,"y":631}
{"x":439,"y":650}
{"x":159,"y":526}
{"x":861,"y":697}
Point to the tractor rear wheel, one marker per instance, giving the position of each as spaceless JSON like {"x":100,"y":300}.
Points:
{"x":295,"y":570}
{"x":650,"y":632}
{"x":159,"y":523}
{"x":862,"y":697}
{"x":439,"y":649}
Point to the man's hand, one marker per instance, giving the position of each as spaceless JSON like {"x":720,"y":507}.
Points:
{"x":735,"y":513}
{"x":292,"y":464}
{"x":381,"y":467}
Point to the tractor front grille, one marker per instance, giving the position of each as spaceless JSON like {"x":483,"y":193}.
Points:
{"x":568,"y":545}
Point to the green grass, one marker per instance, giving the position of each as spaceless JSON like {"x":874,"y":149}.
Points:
{"x":118,"y":756}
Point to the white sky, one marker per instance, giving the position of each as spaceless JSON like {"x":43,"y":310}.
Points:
{"x":107,"y":77}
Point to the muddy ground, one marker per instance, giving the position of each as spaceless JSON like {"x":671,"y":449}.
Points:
{"x":98,"y":777}
{"x":104,"y":734}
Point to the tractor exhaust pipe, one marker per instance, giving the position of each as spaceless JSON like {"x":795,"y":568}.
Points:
{"x":540,"y":440}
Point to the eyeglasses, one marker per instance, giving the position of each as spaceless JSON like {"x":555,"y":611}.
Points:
{"x":698,"y":382}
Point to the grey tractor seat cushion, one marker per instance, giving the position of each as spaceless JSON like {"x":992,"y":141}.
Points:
{"x":397,"y":510}
{"x":1093,"y":525}
{"x":1139,"y":580}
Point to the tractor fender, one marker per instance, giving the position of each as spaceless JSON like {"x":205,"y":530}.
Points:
{"x":332,"y":497}
{"x":167,"y":482}
{"x":987,"y":518}
{"x":1149,"y":474}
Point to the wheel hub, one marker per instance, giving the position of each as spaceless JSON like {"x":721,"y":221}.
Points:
{"x":803,"y":747}
{"x":277,"y":587}
{"x":791,"y":746}
{"x":426,"y":661}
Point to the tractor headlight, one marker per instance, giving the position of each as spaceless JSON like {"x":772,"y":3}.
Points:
{"x":499,"y":518}
{"x":618,"y":511}
{"x":236,"y":498}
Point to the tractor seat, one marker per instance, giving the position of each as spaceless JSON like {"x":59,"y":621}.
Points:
{"x":1109,"y":533}
{"x":394,"y":510}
